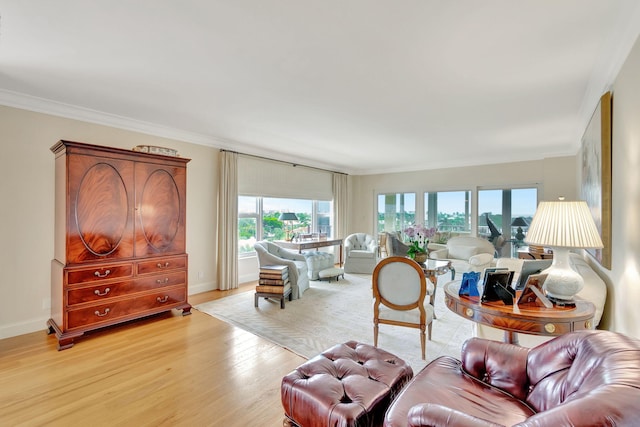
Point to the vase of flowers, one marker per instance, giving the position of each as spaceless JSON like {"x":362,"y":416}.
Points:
{"x":418,"y":238}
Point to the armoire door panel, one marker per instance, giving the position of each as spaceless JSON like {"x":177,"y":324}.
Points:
{"x":160,"y":209}
{"x":100,"y":205}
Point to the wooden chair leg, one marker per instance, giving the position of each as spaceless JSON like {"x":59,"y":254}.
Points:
{"x":430,"y":324}
{"x":375,"y":334}
{"x":423,"y":343}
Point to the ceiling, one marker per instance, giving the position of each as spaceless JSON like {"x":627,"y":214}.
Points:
{"x":356,"y":86}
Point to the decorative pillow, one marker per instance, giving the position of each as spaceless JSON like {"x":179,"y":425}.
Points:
{"x":462,"y":252}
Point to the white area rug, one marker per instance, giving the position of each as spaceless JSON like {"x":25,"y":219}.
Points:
{"x":332,"y":313}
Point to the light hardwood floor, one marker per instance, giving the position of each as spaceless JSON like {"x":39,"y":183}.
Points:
{"x":167,"y":370}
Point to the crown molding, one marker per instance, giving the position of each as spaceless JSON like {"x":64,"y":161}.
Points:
{"x":68,"y":111}
{"x":615,"y":53}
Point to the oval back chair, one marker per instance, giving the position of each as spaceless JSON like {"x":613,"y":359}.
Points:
{"x":399,"y":292}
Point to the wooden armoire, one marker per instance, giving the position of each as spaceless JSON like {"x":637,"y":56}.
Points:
{"x":119,"y":238}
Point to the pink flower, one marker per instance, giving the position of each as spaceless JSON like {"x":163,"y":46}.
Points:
{"x":419,"y":236}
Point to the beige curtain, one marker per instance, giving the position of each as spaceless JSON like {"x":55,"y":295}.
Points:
{"x":228,"y":221}
{"x":340,"y":205}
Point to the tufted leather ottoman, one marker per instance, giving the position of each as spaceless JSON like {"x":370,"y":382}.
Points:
{"x":350,"y":384}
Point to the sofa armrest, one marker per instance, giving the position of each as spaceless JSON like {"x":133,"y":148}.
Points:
{"x":271,"y":259}
{"x":433,"y":415}
{"x":499,"y":364}
{"x":293,"y":256}
{"x":439,"y":254}
{"x":436,"y":246}
{"x":480,"y":259}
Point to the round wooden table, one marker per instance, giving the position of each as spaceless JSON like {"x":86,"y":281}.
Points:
{"x":514,"y":319}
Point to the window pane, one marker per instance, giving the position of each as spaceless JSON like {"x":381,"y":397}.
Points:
{"x":396,"y":211}
{"x":448,"y":211}
{"x":274,"y":229}
{"x":247,"y":205}
{"x":259,"y":219}
{"x":498,"y":209}
{"x":323,"y":218}
{"x":524,"y":202}
{"x":247,"y":234}
{"x":489,"y":206}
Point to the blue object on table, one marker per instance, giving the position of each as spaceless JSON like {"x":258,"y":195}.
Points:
{"x":469,"y":285}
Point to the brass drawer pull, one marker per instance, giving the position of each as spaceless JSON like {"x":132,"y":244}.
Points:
{"x":165,"y":265}
{"x":106,"y":273}
{"x":550,"y":328}
{"x":162,"y":281}
{"x":101,"y":294}
{"x":106,"y":311}
{"x":163,"y":299}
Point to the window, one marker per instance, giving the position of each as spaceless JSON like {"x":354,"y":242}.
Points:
{"x":497,"y":210}
{"x":448,"y":211}
{"x":248,"y":223}
{"x":396,"y":211}
{"x":259,"y":219}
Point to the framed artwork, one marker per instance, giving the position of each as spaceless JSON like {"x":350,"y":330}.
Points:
{"x":596,"y":175}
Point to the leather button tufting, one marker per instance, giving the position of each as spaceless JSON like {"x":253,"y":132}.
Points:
{"x":348,"y":391}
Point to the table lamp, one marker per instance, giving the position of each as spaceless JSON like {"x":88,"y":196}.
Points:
{"x":519,"y":222}
{"x":288,"y":216}
{"x":563,"y":225}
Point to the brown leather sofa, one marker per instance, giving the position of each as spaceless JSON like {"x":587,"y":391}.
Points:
{"x":585,"y":378}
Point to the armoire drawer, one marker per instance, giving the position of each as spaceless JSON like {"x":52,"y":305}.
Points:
{"x":158,"y":265}
{"x":100,"y":272}
{"x":133,"y":307}
{"x":127,"y":287}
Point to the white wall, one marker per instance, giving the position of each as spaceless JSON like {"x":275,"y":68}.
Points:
{"x":623,"y":281}
{"x":27,"y":209}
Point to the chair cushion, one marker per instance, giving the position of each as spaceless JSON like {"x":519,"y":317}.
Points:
{"x":356,"y":253}
{"x":443,"y":382}
{"x":410,"y":316}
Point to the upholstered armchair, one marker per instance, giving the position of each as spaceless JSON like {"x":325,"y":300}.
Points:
{"x":272,"y":254}
{"x":395,"y":246}
{"x":585,"y":378}
{"x":360,"y":253}
{"x":466,"y":253}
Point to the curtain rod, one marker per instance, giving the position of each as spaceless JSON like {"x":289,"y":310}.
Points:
{"x":281,"y":161}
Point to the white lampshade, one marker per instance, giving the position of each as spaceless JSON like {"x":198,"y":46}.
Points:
{"x":563,"y":225}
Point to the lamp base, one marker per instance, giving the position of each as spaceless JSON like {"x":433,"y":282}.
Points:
{"x":561,"y":302}
{"x":562,"y":282}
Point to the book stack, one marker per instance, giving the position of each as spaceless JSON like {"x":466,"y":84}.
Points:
{"x":274,"y":279}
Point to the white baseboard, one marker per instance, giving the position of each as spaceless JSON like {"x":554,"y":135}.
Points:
{"x":202,"y":287}
{"x":15,"y":329}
